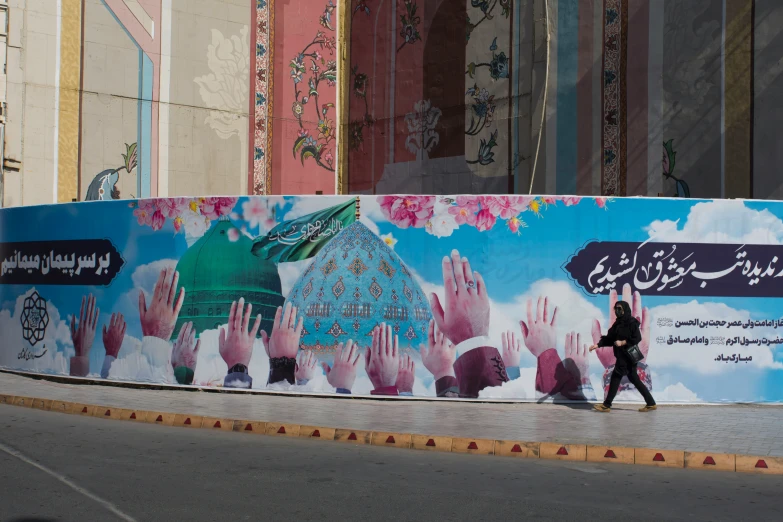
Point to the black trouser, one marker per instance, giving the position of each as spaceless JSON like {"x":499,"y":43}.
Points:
{"x":614,"y":385}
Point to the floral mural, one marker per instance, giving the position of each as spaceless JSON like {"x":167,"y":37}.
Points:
{"x":441,"y":215}
{"x":312,"y":71}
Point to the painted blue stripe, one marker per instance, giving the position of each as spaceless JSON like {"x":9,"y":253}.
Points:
{"x":567,"y":63}
{"x":145,"y":127}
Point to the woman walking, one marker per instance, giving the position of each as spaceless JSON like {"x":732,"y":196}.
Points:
{"x":623,"y":334}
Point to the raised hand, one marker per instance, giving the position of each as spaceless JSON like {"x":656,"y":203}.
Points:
{"x":160,"y":318}
{"x":306,"y":364}
{"x":383,"y":358}
{"x":406,"y":375}
{"x":235,"y":343}
{"x":511,"y":349}
{"x":606,"y":354}
{"x":286,"y":333}
{"x":83,"y":334}
{"x":114,"y":335}
{"x":466,"y":311}
{"x":540,"y":331}
{"x":343,"y":373}
{"x":576,"y":360}
{"x":438,"y":354}
{"x":185,"y":352}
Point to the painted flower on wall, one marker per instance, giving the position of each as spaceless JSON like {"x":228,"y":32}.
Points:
{"x":224,"y":89}
{"x":311,"y":68}
{"x":410,"y":25}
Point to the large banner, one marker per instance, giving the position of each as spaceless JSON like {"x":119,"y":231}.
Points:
{"x":484,"y":297}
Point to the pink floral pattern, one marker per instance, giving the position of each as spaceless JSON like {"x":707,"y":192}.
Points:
{"x":189,"y":215}
{"x":407,"y":211}
{"x":481,"y":212}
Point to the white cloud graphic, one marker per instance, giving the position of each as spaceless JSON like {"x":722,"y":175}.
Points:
{"x":370,"y":210}
{"x":699,"y":358}
{"x":721,"y":221}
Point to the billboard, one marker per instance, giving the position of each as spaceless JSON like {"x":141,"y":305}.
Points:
{"x":482,"y":297}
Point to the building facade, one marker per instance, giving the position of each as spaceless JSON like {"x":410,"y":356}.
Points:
{"x":142,"y":98}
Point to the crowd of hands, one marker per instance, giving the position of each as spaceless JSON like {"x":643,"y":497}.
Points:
{"x":461,"y":315}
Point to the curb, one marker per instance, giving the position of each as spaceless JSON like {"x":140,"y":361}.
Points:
{"x":502,"y":448}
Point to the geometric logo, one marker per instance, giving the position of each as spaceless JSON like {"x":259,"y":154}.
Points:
{"x":34,"y":319}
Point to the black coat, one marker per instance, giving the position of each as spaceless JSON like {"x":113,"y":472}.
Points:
{"x":625,"y":328}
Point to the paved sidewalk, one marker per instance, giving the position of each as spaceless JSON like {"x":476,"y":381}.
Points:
{"x":749,"y":430}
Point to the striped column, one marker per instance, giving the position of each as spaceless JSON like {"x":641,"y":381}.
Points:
{"x":738,"y":98}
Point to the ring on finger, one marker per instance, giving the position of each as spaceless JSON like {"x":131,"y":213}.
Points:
{"x":470,"y":284}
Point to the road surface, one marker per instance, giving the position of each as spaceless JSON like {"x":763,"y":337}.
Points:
{"x":56,"y":467}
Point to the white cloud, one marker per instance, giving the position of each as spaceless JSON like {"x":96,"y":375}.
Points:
{"x":369,"y":208}
{"x":290,"y":272}
{"x":721,"y":221}
{"x":522,"y":388}
{"x":677,"y":393}
{"x":698,"y":357}
{"x":57,"y":341}
{"x":145,"y":276}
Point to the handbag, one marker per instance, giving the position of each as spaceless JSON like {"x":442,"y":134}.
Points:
{"x":634,"y":353}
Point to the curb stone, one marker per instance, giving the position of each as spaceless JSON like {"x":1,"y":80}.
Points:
{"x":544,"y":450}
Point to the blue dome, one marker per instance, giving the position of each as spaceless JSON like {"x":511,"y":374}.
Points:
{"x":355,"y":283}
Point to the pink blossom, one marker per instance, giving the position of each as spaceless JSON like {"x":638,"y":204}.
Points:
{"x":157,"y":220}
{"x":463,"y":215}
{"x":144,"y":212}
{"x":514,"y":224}
{"x":601,"y":202}
{"x":469,"y":202}
{"x":407,"y":211}
{"x":233,"y":235}
{"x":328,"y":158}
{"x":213,"y":208}
{"x":178,"y":224}
{"x":172,"y":207}
{"x":549,"y":200}
{"x":570,"y":200}
{"x":504,"y":206}
{"x":485,"y":220}
{"x":255,"y":212}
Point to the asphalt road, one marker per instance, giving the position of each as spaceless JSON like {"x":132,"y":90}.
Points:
{"x":68,"y":468}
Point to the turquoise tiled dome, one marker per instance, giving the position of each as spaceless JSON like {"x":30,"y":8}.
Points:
{"x":355,"y":283}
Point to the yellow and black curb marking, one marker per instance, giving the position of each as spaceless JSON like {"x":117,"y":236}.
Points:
{"x":504,"y":448}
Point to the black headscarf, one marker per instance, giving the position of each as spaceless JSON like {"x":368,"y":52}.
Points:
{"x":625,"y":323}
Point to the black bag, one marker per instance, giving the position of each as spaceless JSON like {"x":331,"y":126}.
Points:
{"x":634,"y":353}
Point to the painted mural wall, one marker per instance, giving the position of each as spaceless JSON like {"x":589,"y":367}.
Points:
{"x":643,"y":97}
{"x":111,"y":99}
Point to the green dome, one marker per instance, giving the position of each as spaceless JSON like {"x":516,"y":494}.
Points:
{"x":216,"y":271}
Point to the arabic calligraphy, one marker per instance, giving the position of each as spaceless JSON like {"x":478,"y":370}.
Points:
{"x":735,"y":358}
{"x":679,"y":269}
{"x":28,"y":355}
{"x":730,"y":341}
{"x":312,"y":231}
{"x":77,"y":262}
{"x":748,"y":324}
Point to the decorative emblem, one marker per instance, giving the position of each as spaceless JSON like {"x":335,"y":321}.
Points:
{"x":34,"y":319}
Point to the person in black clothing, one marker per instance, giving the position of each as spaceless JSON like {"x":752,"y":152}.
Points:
{"x":624,"y":333}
